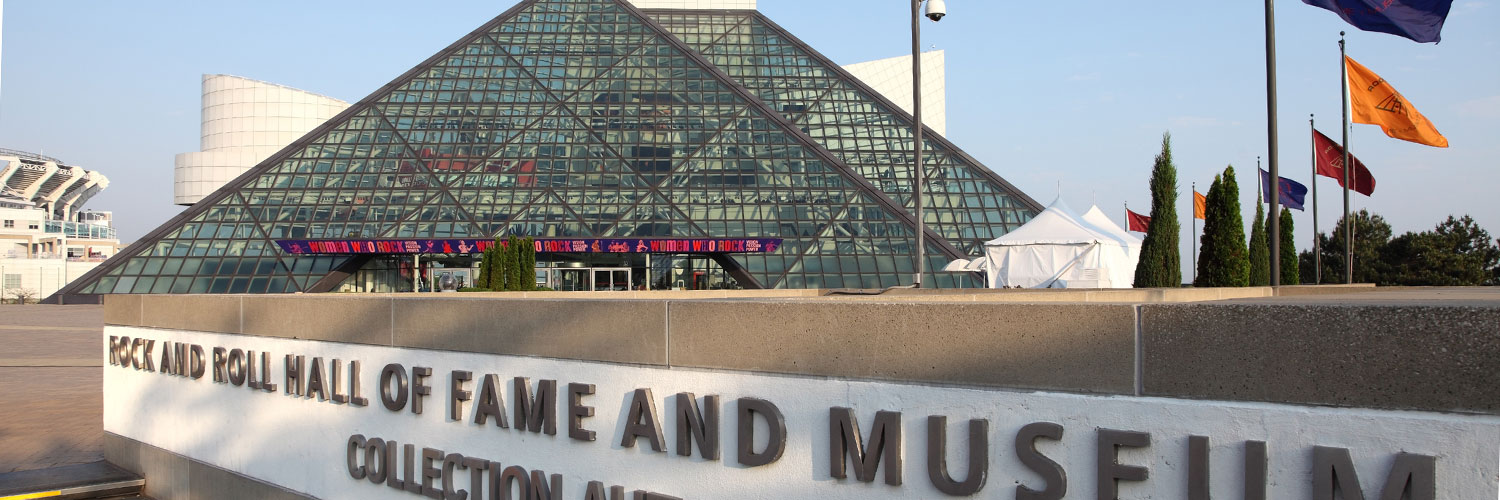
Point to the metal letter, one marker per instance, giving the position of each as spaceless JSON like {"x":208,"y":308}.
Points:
{"x":1108,"y":463}
{"x":431,"y":475}
{"x":844,"y":440}
{"x":775,"y":443}
{"x":114,"y":350}
{"x":393,"y":400}
{"x":356,"y":444}
{"x":451,"y":462}
{"x":477,"y":468}
{"x":1256,"y":475}
{"x":135,"y":358}
{"x":489,"y":403}
{"x":195,"y":361}
{"x":250,"y":380}
{"x":1198,"y":468}
{"x":354,"y":393}
{"x":1334,"y":475}
{"x":1414,"y":474}
{"x":577,"y":411}
{"x":693,"y":425}
{"x":1052,"y":474}
{"x":180,"y":359}
{"x":334,"y":372}
{"x":595,"y":491}
{"x":419,"y":387}
{"x":148,"y":345}
{"x":221,"y":375}
{"x":293,"y":368}
{"x":937,"y":456}
{"x":410,"y":479}
{"x":236,"y":367}
{"x":537,"y":414}
{"x":166,"y":358}
{"x":642,"y":406}
{"x":375,"y":453}
{"x":456,"y":393}
{"x":392,"y":477}
{"x":539,"y":489}
{"x":500,"y":486}
{"x":315,"y":384}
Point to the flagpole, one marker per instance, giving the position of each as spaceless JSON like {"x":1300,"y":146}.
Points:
{"x":1348,"y":223}
{"x":1317,"y":246}
{"x":1194,"y":243}
{"x":1275,"y":225}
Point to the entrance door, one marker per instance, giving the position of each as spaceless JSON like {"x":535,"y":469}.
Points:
{"x":571,"y":280}
{"x":611,"y":279}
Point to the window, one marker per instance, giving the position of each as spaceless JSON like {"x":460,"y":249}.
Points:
{"x":10,"y":224}
{"x":11,"y":281}
{"x":33,"y":225}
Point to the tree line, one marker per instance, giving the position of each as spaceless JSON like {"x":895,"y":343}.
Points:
{"x":1455,"y":253}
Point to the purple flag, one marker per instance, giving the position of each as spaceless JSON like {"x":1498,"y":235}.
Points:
{"x":1419,"y":20}
{"x":1293,"y":193}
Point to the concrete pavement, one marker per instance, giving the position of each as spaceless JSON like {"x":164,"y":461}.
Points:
{"x":50,"y":379}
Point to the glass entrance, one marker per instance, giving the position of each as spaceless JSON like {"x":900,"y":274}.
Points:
{"x":609,"y":279}
{"x":570,"y":280}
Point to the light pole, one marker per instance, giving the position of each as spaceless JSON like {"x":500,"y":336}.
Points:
{"x":936,"y":9}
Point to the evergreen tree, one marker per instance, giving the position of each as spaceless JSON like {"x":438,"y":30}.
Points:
{"x":528,"y":263}
{"x":512,"y":264}
{"x":1224,"y":260}
{"x":1289,"y":273}
{"x":485,"y":261}
{"x":1160,"y":264}
{"x":1205,"y":250}
{"x":1260,"y":247}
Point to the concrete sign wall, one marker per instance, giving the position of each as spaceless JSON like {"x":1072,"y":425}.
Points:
{"x":299,"y":414}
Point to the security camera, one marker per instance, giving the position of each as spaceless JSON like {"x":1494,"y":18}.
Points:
{"x":936,"y":9}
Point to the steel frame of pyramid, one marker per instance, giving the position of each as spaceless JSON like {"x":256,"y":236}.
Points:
{"x":587,"y":118}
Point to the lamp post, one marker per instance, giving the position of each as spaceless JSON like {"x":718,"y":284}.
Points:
{"x":936,"y":9}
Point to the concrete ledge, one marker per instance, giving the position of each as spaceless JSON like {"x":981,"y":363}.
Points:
{"x":123,"y":309}
{"x":335,"y":318}
{"x":170,"y":476}
{"x":205,"y":313}
{"x":1070,"y":347}
{"x":1439,"y":358}
{"x":621,"y":331}
{"x":1426,"y":349}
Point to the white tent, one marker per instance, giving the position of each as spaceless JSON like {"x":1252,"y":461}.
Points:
{"x":1121,"y":276}
{"x":1060,"y":249}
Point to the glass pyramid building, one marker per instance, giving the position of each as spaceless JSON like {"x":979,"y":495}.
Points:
{"x":594,"y":119}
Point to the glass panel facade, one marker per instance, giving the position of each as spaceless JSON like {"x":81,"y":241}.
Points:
{"x":580,"y":118}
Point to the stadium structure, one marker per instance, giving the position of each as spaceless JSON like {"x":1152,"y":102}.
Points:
{"x":46,"y":238}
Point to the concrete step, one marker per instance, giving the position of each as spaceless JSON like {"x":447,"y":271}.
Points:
{"x":97,"y":480}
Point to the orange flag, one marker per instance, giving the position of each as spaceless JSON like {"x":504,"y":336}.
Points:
{"x":1372,"y":100}
{"x":1200,"y":206}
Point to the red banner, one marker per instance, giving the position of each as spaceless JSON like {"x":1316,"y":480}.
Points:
{"x":1137,"y":222}
{"x":1331,"y":164}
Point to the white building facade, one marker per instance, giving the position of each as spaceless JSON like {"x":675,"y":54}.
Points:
{"x":46,"y":240}
{"x":245,"y":121}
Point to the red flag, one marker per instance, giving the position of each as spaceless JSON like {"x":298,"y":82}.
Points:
{"x":1331,"y":164}
{"x":1137,"y":222}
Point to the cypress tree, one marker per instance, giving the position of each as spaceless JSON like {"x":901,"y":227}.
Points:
{"x":1205,"y":248}
{"x":483,"y":281}
{"x":1160,"y":264}
{"x":512,"y":264}
{"x":528,"y":263}
{"x":1290,"y":274}
{"x":1260,"y":248}
{"x":1223,"y":260}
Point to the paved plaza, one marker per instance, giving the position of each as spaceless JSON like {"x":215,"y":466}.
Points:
{"x":50,"y":368}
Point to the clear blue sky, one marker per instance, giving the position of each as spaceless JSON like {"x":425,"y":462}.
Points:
{"x":1040,"y":93}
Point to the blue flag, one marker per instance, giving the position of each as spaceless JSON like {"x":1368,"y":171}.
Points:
{"x":1419,"y":20}
{"x":1293,"y":194}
